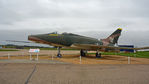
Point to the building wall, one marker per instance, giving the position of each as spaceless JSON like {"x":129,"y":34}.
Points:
{"x":127,"y":50}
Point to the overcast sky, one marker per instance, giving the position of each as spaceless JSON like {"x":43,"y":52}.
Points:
{"x":93,"y":18}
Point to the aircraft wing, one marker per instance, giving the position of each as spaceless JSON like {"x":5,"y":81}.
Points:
{"x":98,"y":47}
{"x":19,"y":41}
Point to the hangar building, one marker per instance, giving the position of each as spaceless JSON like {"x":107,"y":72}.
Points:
{"x":126,"y":50}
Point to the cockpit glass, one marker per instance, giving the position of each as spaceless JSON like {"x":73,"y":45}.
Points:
{"x":53,"y":33}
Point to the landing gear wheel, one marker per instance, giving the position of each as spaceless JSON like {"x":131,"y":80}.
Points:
{"x":82,"y":53}
{"x":59,"y":55}
{"x":98,"y":55}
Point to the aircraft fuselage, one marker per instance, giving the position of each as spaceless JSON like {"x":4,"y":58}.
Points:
{"x":65,"y":39}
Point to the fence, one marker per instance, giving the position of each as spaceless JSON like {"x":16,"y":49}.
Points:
{"x":68,"y":58}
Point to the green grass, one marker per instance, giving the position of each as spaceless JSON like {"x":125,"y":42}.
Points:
{"x":140,"y":54}
{"x":7,"y":50}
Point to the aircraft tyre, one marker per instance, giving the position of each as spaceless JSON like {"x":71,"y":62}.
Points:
{"x":98,"y":55}
{"x":59,"y":55}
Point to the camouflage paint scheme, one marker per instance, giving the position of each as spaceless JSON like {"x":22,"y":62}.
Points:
{"x":76,"y":41}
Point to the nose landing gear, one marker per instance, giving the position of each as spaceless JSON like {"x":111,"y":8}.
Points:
{"x":59,"y":55}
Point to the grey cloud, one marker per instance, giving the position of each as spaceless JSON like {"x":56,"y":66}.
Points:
{"x":73,"y":16}
{"x":77,"y":8}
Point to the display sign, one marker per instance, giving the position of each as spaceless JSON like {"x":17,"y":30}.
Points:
{"x":34,"y":50}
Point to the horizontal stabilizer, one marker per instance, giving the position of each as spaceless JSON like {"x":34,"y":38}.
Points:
{"x":97,"y":47}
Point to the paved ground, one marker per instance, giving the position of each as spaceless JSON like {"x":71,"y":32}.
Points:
{"x":33,"y":61}
{"x":19,"y":73}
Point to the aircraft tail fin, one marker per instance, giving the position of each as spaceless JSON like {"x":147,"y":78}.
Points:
{"x":113,"y":38}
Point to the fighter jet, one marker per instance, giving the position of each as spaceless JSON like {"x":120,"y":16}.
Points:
{"x":80,"y":42}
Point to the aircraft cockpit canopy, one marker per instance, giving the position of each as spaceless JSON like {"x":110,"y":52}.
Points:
{"x":53,"y":33}
{"x":64,"y":33}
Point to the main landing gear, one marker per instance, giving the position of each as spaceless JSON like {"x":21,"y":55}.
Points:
{"x":82,"y":53}
{"x":98,"y":55}
{"x":59,"y":55}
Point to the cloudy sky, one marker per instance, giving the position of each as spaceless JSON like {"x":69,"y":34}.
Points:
{"x":93,"y":18}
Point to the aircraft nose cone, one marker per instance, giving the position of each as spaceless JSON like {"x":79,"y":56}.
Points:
{"x":32,"y":38}
{"x":37,"y":39}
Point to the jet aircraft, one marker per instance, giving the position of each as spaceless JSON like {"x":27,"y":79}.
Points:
{"x":80,"y":42}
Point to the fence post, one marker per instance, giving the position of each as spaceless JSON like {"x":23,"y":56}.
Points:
{"x":30,"y":56}
{"x":37,"y":57}
{"x":8,"y":56}
{"x":129,"y":60}
{"x":80,"y":59}
{"x":52,"y":56}
{"x":22,"y":53}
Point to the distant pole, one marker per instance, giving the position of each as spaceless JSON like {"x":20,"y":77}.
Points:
{"x":52,"y":56}
{"x":22,"y":53}
{"x":80,"y":59}
{"x":8,"y":56}
{"x":129,"y":60}
{"x":134,"y":53}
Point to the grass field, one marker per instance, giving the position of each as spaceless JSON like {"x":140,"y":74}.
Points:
{"x":141,"y":54}
{"x":8,"y":50}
